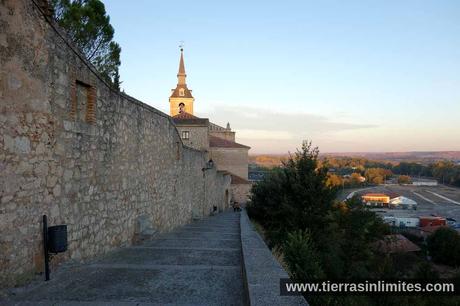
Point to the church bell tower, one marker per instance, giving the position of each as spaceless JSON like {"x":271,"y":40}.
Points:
{"x":181,"y":99}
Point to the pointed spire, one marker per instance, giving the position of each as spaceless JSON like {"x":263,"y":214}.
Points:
{"x":181,"y":74}
{"x":181,"y":90}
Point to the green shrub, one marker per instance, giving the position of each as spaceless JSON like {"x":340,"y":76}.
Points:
{"x":444,"y":246}
{"x":301,"y":256}
{"x":293,"y":197}
{"x":424,"y":270}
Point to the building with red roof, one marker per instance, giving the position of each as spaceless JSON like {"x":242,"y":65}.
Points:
{"x":201,"y":134}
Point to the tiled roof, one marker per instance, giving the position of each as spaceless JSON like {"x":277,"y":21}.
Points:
{"x":187,"y":92}
{"x":431,"y":229}
{"x":375,"y":195}
{"x":393,"y":195}
{"x":239,"y":180}
{"x":396,"y":244}
{"x":185,"y":118}
{"x":218,"y":142}
{"x":185,"y":115}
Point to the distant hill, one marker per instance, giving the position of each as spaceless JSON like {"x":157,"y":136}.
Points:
{"x":272,"y":160}
{"x":267,"y":160}
{"x":402,"y":156}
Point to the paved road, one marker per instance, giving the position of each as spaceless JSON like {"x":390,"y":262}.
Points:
{"x":198,"y":264}
{"x":439,"y":200}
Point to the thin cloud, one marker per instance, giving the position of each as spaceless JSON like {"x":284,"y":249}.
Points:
{"x":258,"y":121}
{"x":266,"y":130}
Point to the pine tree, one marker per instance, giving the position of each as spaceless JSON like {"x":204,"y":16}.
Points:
{"x":88,"y":25}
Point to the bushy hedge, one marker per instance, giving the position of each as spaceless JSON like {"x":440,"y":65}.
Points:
{"x":300,"y":215}
{"x":444,"y":246}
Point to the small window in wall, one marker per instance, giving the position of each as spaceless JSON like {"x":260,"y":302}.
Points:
{"x":181,"y":92}
{"x":83,"y":102}
{"x":185,"y":135}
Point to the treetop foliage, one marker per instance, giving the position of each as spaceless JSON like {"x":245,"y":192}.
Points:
{"x":88,"y":25}
{"x":288,"y":194}
{"x":322,"y":238}
{"x":444,"y":246}
{"x":295,"y":203}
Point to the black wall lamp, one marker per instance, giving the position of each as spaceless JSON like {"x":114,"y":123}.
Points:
{"x":209,"y":165}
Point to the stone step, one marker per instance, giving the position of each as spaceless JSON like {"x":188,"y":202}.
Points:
{"x":165,"y":256}
{"x":234,"y":226}
{"x":198,"y":235}
{"x":216,"y":223}
{"x":195,"y":242}
{"x":198,"y":264}
{"x":98,"y":285}
{"x":186,"y":248}
{"x":207,"y":230}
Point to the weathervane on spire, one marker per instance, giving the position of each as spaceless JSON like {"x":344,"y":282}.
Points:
{"x":181,"y":45}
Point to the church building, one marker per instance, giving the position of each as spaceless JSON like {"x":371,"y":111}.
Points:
{"x":201,"y":134}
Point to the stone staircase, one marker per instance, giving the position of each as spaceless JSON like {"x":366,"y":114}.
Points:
{"x":198,"y":264}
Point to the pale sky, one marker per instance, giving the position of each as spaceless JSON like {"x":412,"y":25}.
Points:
{"x":348,"y":75}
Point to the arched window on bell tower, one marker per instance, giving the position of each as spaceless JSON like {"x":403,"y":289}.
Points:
{"x":181,"y":92}
{"x":181,"y":107}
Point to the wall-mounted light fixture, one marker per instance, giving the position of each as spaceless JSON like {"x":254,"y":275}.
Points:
{"x":209,"y":165}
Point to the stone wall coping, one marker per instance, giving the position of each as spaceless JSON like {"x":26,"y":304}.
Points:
{"x":72,"y":46}
{"x":262,"y":272}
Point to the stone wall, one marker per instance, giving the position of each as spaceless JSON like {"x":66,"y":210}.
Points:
{"x":227,"y":135}
{"x":82,"y":153}
{"x":234,"y":160}
{"x":241,"y":192}
{"x":221,"y":132}
{"x":261,"y":271}
{"x":198,"y":136}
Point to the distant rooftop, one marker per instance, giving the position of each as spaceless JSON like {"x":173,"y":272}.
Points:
{"x":239,"y":180}
{"x":223,"y":143}
{"x":396,"y":244}
{"x":375,"y":195}
{"x":187,"y":118}
{"x":391,"y":195}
